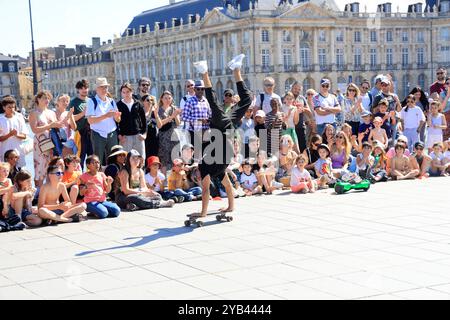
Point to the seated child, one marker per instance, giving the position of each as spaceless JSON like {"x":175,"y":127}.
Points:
{"x":22,"y":198}
{"x":287,"y":157}
{"x":6,"y":189}
{"x":50,"y":208}
{"x":248,"y":180}
{"x":265,"y":171}
{"x":365,"y":161}
{"x":378,"y":172}
{"x":12,"y":157}
{"x":447,"y":155}
{"x":301,"y":181}
{"x":438,"y":166}
{"x":94,"y":185}
{"x":324,"y":167}
{"x":378,"y":133}
{"x":420,"y":160}
{"x":401,"y":167}
{"x":179,"y":185}
{"x":365,"y":127}
{"x":155,"y":180}
{"x":71,"y":178}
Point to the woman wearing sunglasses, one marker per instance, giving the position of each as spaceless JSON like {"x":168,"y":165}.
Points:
{"x":50,"y":208}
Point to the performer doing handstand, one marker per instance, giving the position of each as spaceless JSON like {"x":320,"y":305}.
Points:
{"x":225,"y":124}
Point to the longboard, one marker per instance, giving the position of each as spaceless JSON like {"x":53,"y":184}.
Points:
{"x":220,"y":216}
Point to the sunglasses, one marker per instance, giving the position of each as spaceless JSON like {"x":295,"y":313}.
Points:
{"x":310,"y":94}
{"x":268,"y":85}
{"x":325,"y":86}
{"x":439,"y":73}
{"x":365,"y":88}
{"x":229,"y":95}
{"x":351,"y":90}
{"x":384,"y":85}
{"x":58,"y":174}
{"x":340,"y":137}
{"x":316,"y":144}
{"x":189,"y":86}
{"x":145,"y":85}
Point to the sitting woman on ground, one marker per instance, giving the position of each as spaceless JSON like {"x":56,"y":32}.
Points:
{"x":340,"y":153}
{"x":132,"y":192}
{"x":115,"y":163}
{"x":312,"y":154}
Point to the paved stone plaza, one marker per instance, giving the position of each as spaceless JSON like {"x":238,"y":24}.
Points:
{"x":389,"y":243}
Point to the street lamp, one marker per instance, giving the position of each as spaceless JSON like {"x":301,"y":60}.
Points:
{"x":33,"y":55}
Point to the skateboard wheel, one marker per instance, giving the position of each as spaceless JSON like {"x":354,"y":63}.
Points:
{"x":200,"y":224}
{"x":187,"y":223}
{"x":230,"y":219}
{"x":339,"y":189}
{"x":219,"y":218}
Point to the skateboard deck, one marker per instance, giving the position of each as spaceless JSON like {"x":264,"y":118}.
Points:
{"x":194,"y":220}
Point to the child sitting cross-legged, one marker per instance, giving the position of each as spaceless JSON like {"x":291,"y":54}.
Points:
{"x":22,"y":198}
{"x":50,"y":208}
{"x":248,"y":180}
{"x":179,"y":185}
{"x":71,"y":178}
{"x":301,"y":181}
{"x":6,"y":189}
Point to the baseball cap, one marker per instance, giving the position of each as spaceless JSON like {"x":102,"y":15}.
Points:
{"x":228,"y":91}
{"x":260,"y":113}
{"x":325,"y":81}
{"x":366,"y":113}
{"x":199,"y":84}
{"x":379,"y":78}
{"x":385,"y":80}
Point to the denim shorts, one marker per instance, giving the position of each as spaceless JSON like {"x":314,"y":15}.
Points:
{"x":58,"y":212}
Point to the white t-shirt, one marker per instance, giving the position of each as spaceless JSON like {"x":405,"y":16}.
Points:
{"x":298,"y":176}
{"x":435,"y":157}
{"x":248,"y":182}
{"x":183,"y":101}
{"x":366,"y":102}
{"x":6,"y":125}
{"x":151,"y":180}
{"x":266,"y":103}
{"x":447,"y":155}
{"x":290,"y":121}
{"x":325,"y":103}
{"x":413,"y":117}
{"x":105,"y":127}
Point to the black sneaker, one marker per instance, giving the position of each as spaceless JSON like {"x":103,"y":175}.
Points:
{"x":180,"y":199}
{"x":131,"y":207}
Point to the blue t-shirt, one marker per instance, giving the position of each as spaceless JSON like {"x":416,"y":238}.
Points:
{"x":363,"y":127}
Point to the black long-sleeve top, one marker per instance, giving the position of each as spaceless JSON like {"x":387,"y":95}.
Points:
{"x":134,"y":122}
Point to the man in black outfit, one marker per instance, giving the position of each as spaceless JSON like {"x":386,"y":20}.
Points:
{"x":214,"y":165}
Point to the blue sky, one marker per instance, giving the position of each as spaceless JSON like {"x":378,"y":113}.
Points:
{"x":72,"y":22}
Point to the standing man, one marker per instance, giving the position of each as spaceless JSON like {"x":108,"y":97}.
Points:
{"x":190,"y":92}
{"x":326,"y":106}
{"x":439,"y":85}
{"x":79,"y":104}
{"x":102,"y":115}
{"x":377,"y":86}
{"x":13,"y":130}
{"x":196,"y":116}
{"x":366,"y":96}
{"x":145,"y":84}
{"x":263,"y":99}
{"x":305,"y":115}
{"x":133,"y":124}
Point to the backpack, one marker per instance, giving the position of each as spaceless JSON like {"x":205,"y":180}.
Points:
{"x":94,"y":99}
{"x":262,"y":96}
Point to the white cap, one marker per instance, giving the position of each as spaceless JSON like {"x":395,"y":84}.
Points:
{"x":260,"y":113}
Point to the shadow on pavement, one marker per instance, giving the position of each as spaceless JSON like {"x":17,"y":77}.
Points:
{"x":141,"y":241}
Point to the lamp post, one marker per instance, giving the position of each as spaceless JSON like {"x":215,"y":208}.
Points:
{"x":33,"y":55}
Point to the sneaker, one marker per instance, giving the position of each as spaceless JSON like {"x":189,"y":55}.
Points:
{"x":131,"y":207}
{"x":167,"y":204}
{"x":223,"y":194}
{"x":201,"y":66}
{"x":240,"y":192}
{"x":277,"y":185}
{"x":180,"y":199}
{"x":236,"y":63}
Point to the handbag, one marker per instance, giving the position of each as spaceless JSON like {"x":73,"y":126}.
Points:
{"x":45,"y":144}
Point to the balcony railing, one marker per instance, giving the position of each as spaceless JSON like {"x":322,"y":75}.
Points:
{"x":325,"y":67}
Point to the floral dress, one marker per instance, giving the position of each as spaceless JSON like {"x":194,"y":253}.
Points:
{"x":41,"y":159}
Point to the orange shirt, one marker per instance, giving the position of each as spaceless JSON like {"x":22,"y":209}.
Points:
{"x":71,"y":177}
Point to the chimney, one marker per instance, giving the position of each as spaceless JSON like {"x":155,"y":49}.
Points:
{"x":95,"y":43}
{"x":352,"y":7}
{"x":103,"y":43}
{"x":109,"y":41}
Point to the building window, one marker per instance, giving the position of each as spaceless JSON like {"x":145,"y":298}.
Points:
{"x":420,"y":37}
{"x":246,"y":37}
{"x":405,"y":36}
{"x":305,"y":55}
{"x":357,"y":57}
{"x":445,"y":53}
{"x":265,"y":36}
{"x":11,"y":67}
{"x":340,"y":58}
{"x":445,"y":34}
{"x":389,"y":57}
{"x":405,"y":56}
{"x":420,"y":56}
{"x":265,"y":58}
{"x":373,"y":57}
{"x":421,"y":80}
{"x":322,"y":36}
{"x":322,"y":57}
{"x":339,"y":36}
{"x":373,"y":36}
{"x":406,"y":84}
{"x":1,"y":67}
{"x":308,"y":84}
{"x":389,"y":37}
{"x":287,"y":36}
{"x":233,"y":40}
{"x":357,"y":36}
{"x":287,"y":58}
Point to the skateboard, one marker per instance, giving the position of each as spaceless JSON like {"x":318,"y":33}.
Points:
{"x":195,"y":220}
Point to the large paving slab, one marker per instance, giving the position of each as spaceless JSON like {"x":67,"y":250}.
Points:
{"x":392,"y":242}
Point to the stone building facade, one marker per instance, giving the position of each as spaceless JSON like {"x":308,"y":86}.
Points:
{"x":9,"y":76}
